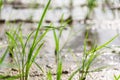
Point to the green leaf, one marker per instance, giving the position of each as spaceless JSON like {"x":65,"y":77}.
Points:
{"x":59,"y":70}
{"x":108,"y":42}
{"x":3,"y":56}
{"x":41,"y":20}
{"x":49,"y":75}
{"x":32,"y":48}
{"x":11,"y":37}
{"x":56,"y":40}
{"x":39,"y":67}
{"x":36,"y":53}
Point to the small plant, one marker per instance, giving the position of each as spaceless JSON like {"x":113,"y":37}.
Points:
{"x":17,"y":48}
{"x":87,"y":59}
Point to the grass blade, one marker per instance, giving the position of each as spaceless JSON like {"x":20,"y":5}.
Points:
{"x":59,"y":70}
{"x":41,"y":20}
{"x":34,"y":41}
{"x":36,"y":53}
{"x":39,"y":67}
{"x":49,"y":75}
{"x":56,"y":40}
{"x":11,"y":38}
{"x":108,"y":42}
{"x":3,"y":57}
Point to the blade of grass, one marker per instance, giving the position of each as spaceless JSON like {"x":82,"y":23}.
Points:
{"x":61,"y":25}
{"x":34,"y":41}
{"x":36,"y":53}
{"x":91,"y":58}
{"x":39,"y":67}
{"x":34,"y":56}
{"x":84,"y":54}
{"x":10,"y":36}
{"x":108,"y":42}
{"x":41,"y":37}
{"x":59,"y":70}
{"x":27,"y":40}
{"x":3,"y":56}
{"x":98,"y":69}
{"x":49,"y":75}
{"x":56,"y":40}
{"x":56,"y":45}
{"x":36,"y":34}
{"x":41,"y":20}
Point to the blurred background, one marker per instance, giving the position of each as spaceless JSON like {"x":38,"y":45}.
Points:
{"x":99,"y":17}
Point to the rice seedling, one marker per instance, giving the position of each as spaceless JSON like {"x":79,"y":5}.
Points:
{"x":58,"y":50}
{"x":58,"y":56}
{"x":87,"y":59}
{"x":17,"y":47}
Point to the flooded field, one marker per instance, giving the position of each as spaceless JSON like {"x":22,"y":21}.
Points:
{"x":99,"y":19}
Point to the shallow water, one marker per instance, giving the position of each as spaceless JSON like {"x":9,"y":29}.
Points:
{"x":101,"y":30}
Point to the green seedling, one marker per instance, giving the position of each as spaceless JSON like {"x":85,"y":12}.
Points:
{"x":17,"y":47}
{"x":88,"y":58}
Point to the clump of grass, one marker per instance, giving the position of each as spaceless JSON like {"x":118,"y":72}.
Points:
{"x":87,"y":59}
{"x":31,"y":58}
{"x":17,"y":47}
